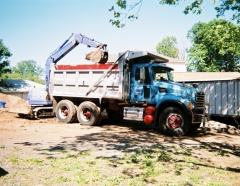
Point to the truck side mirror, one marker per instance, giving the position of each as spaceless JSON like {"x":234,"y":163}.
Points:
{"x":195,"y":85}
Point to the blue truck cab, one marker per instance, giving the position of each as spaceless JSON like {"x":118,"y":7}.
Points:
{"x":174,"y":108}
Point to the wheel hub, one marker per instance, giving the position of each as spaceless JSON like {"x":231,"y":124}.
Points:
{"x":87,"y":113}
{"x":65,"y":111}
{"x":174,"y":121}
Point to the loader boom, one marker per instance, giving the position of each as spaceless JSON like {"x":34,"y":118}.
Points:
{"x":66,"y":47}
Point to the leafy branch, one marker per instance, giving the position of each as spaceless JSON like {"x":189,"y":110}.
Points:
{"x":229,"y":5}
{"x":120,"y":18}
{"x":221,"y":7}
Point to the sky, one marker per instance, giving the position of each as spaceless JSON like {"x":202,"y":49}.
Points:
{"x":32,"y":29}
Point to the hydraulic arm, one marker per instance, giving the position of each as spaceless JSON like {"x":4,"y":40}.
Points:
{"x":99,"y":56}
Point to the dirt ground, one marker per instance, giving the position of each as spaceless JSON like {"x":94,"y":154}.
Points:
{"x":48,"y":133}
{"x":106,"y":140}
{"x":48,"y":138}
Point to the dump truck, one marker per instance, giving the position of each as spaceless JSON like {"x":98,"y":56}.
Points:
{"x":137,"y":86}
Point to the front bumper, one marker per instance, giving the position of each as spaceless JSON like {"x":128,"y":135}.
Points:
{"x":198,"y":115}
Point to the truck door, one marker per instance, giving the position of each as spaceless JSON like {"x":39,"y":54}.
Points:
{"x":140,"y":85}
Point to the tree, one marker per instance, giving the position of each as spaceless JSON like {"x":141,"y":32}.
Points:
{"x":182,"y":50}
{"x":4,"y":62}
{"x":221,"y":6}
{"x":215,"y":46}
{"x":168,"y":47}
{"x":27,"y":70}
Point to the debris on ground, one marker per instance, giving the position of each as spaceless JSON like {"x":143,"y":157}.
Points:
{"x":15,"y":104}
{"x":221,"y":127}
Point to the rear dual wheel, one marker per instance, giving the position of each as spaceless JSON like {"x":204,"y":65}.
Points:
{"x":88,"y":113}
{"x":66,"y":111}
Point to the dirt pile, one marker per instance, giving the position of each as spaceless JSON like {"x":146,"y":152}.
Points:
{"x":15,"y":104}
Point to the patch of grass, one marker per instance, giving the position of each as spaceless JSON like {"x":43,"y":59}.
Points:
{"x":2,"y":146}
{"x":91,"y":163}
{"x":195,"y":178}
{"x":134,"y":159}
{"x":222,"y":153}
{"x":81,"y":178}
{"x":156,"y":165}
{"x":187,"y":152}
{"x":35,"y":161}
{"x":85,"y":153}
{"x":148,"y":163}
{"x":164,"y":157}
{"x":216,"y":183}
{"x":14,"y":159}
{"x":62,"y":179}
{"x":177,"y":170}
{"x":68,"y":155}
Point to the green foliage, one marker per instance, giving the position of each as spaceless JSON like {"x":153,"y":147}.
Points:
{"x":27,"y":70}
{"x":4,"y":62}
{"x":221,"y":6}
{"x":134,"y":159}
{"x":164,"y":157}
{"x":168,"y":47}
{"x":216,"y":46}
{"x":195,"y":6}
{"x":120,"y":18}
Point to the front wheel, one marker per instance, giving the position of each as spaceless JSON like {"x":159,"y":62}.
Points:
{"x":173,"y":121}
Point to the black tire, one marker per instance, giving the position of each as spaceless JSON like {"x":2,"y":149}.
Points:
{"x":88,"y":113}
{"x":173,"y":122}
{"x":66,"y":111}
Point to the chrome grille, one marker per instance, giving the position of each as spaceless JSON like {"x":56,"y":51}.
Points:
{"x":200,"y":100}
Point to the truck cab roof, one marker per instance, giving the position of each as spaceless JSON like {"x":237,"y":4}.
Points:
{"x":143,"y":56}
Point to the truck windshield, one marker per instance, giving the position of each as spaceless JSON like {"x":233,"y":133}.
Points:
{"x":161,"y":74}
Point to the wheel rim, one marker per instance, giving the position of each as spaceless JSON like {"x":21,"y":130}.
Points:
{"x":63,"y":112}
{"x":86,"y":114}
{"x":174,"y":121}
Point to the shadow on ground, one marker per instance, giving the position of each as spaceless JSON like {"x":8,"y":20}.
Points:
{"x":124,"y":136}
{"x":3,"y":172}
{"x":117,"y":139}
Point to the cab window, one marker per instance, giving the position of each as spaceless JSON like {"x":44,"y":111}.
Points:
{"x":160,"y":74}
{"x":142,"y":75}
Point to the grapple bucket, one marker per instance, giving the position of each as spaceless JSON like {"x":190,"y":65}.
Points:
{"x":100,"y":55}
